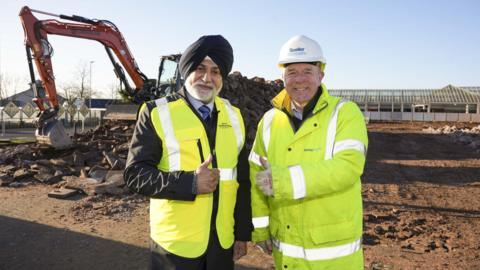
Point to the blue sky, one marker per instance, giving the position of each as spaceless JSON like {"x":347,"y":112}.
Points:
{"x":368,"y":44}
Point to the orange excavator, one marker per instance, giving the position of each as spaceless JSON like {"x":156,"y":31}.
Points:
{"x":49,"y":130}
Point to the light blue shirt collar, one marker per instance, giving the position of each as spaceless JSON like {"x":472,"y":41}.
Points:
{"x":197,"y":103}
{"x":298,"y":114}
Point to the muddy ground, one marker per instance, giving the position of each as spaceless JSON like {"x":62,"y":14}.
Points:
{"x":421,"y":211}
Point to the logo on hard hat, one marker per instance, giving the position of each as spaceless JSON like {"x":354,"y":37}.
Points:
{"x":296,"y":51}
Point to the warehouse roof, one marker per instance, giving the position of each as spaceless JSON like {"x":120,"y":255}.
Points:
{"x":448,"y":94}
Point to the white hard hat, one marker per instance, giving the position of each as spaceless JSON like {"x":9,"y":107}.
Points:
{"x":300,"y":49}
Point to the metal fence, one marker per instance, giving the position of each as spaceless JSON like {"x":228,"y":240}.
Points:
{"x":12,"y":117}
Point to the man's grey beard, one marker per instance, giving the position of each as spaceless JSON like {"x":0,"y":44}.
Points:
{"x":205,"y":98}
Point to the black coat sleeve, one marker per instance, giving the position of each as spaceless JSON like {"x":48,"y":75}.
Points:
{"x":243,"y":209}
{"x":141,"y":174}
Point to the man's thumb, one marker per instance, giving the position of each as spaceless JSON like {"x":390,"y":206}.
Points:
{"x":264,"y":162}
{"x":207,"y":162}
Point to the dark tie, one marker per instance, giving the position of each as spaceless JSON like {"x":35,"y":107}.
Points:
{"x":204,"y":112}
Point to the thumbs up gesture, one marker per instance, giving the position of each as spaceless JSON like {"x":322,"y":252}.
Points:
{"x":207,"y":179}
{"x":263,"y":178}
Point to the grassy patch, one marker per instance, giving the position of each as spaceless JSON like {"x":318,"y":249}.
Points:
{"x":17,"y":140}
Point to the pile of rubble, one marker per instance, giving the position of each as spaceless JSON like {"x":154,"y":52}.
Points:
{"x":117,"y":207}
{"x":252,"y":96}
{"x":93,"y":166}
{"x":466,"y":136}
{"x":452,"y":129}
{"x":413,"y":234}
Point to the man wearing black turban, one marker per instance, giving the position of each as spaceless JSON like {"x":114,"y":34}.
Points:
{"x":200,"y":218}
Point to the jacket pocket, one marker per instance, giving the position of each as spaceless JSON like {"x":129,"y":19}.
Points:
{"x":332,"y":232}
{"x":189,"y":151}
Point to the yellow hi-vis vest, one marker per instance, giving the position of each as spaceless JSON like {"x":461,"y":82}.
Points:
{"x":183,"y":227}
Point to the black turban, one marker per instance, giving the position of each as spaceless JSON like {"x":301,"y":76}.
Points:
{"x":217,"y":47}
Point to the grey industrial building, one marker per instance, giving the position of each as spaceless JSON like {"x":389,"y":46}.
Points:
{"x":450,"y":103}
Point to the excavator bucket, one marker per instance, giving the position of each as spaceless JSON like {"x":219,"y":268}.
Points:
{"x":53,"y":133}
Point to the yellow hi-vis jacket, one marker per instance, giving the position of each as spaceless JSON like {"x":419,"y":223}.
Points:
{"x":315,"y":214}
{"x":183,"y":227}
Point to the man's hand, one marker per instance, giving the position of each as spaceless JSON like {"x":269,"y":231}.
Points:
{"x":239,"y":249}
{"x":264,"y":178}
{"x":265,"y":246}
{"x":207,"y":179}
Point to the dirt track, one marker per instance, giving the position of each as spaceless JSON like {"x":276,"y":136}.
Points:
{"x":421,"y":199}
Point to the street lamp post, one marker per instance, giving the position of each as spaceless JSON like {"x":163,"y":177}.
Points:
{"x":90,"y":99}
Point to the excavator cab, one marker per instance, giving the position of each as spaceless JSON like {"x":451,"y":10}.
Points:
{"x":169,"y":79}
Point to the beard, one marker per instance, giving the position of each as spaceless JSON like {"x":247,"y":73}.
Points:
{"x":203,"y":92}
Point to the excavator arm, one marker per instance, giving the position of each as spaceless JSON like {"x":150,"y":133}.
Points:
{"x":103,"y":31}
{"x":40,"y":51}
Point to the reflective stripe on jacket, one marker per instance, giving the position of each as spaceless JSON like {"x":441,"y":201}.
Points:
{"x":315,"y":214}
{"x":183,"y":227}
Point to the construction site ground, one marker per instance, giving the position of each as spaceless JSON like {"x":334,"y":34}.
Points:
{"x":421,"y":195}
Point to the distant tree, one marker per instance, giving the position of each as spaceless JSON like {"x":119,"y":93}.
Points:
{"x":68,"y":91}
{"x":3,"y":89}
{"x":115,"y":88}
{"x":78,"y":86}
{"x":9,"y":84}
